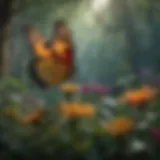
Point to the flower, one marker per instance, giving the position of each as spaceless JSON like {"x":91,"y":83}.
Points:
{"x":138,"y":96}
{"x":16,"y":97}
{"x":109,"y":101}
{"x":155,"y":133}
{"x":119,"y":126}
{"x":87,"y":110}
{"x":98,"y":88}
{"x":76,"y":109}
{"x":143,"y":125}
{"x":137,"y":145}
{"x":33,"y":116}
{"x":69,"y":87}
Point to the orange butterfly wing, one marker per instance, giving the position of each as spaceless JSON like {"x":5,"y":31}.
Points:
{"x":37,"y":43}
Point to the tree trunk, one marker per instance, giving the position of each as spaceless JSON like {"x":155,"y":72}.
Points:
{"x":5,"y":19}
{"x":155,"y":33}
{"x":127,"y":23}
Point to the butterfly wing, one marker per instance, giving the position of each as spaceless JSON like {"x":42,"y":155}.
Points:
{"x":51,"y":72}
{"x":37,"y":43}
{"x":40,"y":52}
{"x":64,"y":53}
{"x":50,"y":66}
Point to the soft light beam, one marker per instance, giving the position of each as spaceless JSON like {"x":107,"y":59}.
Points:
{"x":99,"y":5}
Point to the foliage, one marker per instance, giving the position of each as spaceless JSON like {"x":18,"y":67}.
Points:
{"x":48,"y":131}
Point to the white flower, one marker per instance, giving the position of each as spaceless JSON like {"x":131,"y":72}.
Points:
{"x":150,"y":116}
{"x":108,"y":114}
{"x":143,"y":125}
{"x":137,"y":145}
{"x":109,"y":101}
{"x":16,"y":97}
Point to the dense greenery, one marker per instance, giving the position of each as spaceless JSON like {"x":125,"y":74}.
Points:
{"x":89,"y":122}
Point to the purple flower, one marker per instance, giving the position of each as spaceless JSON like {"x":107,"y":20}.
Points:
{"x":147,"y":72}
{"x":85,"y":88}
{"x":97,"y":88}
{"x":156,"y":80}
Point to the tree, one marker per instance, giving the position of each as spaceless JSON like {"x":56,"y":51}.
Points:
{"x":5,"y":19}
{"x":126,"y":22}
{"x":150,"y":11}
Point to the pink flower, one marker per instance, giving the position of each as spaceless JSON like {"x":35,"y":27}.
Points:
{"x":155,"y":132}
{"x":85,"y":88}
{"x":97,"y":88}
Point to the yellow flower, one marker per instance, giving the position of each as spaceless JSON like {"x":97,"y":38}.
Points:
{"x":69,"y":87}
{"x":75,"y":109}
{"x":119,"y":126}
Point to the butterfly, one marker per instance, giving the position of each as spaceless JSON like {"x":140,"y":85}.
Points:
{"x":52,"y":62}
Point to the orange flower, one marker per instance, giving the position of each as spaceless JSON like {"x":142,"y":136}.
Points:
{"x":119,"y":126}
{"x":33,"y":116}
{"x":69,"y":87}
{"x":138,"y":96}
{"x":77,"y":110}
{"x":88,"y":109}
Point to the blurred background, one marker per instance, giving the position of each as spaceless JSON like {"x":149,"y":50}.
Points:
{"x":117,"y":45}
{"x":120,"y":36}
